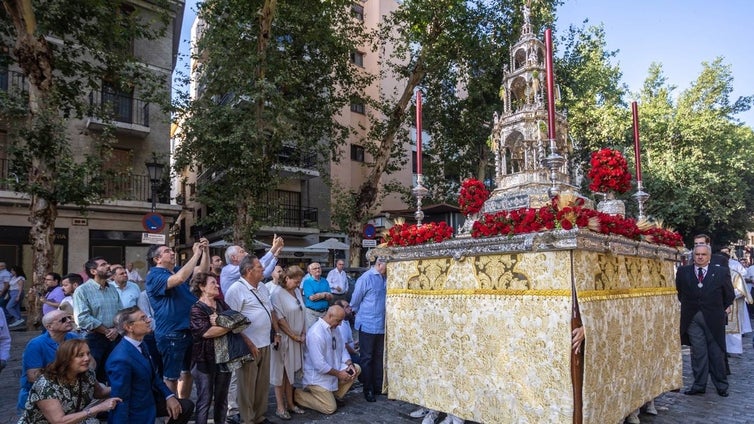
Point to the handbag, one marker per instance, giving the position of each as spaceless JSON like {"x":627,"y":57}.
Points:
{"x":233,"y":320}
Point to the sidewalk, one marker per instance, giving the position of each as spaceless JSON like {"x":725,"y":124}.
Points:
{"x":674,"y":408}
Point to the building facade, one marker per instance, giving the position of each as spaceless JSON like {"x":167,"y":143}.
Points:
{"x":112,"y":229}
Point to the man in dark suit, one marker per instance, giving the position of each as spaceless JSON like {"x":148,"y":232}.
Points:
{"x":705,"y":293}
{"x":132,"y":375}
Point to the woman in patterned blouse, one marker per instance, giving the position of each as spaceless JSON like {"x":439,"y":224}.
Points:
{"x":66,"y":389}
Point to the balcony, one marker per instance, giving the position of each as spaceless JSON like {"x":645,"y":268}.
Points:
{"x":288,"y":216}
{"x":128,"y":186}
{"x":297,"y":163}
{"x":115,"y":186}
{"x":128,"y":114}
{"x":12,"y":82}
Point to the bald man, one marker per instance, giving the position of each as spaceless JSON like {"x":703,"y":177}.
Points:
{"x":328,"y":369}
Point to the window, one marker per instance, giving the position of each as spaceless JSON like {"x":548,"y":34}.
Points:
{"x":118,"y":102}
{"x":358,"y":108}
{"x":357,"y":11}
{"x":357,"y":58}
{"x":357,"y":153}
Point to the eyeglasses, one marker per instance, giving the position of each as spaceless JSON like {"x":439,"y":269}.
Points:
{"x":333,"y":342}
{"x":65,"y":319}
{"x":299,"y":305}
{"x":315,"y":268}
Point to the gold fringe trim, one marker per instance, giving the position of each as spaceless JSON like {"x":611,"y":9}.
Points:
{"x":586,"y":295}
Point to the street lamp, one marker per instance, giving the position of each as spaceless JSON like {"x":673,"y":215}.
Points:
{"x":155,"y":175}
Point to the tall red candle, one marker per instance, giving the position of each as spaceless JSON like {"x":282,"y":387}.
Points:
{"x":550,"y":85}
{"x":637,"y":147}
{"x":418,"y":132}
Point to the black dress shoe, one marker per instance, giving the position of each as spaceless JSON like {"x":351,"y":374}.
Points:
{"x":723,"y":393}
{"x":692,"y":392}
{"x":369,"y":396}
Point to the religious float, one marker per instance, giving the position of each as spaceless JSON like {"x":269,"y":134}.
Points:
{"x":480,"y":325}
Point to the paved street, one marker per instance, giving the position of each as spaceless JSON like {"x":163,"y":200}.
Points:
{"x":674,"y":408}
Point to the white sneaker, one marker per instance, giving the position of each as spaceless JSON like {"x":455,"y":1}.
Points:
{"x":633,"y":418}
{"x":451,"y":419}
{"x":430,"y":417}
{"x":419,"y":413}
{"x":651,"y":410}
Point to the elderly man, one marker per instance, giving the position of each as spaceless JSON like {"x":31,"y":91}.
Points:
{"x":229,"y":275}
{"x":40,"y":351}
{"x":127,"y":290}
{"x":338,"y":280}
{"x":95,"y":304}
{"x":251,"y":298}
{"x":328,"y":370}
{"x":170,"y":296}
{"x":133,"y":377}
{"x":346,"y":332}
{"x":706,"y":295}
{"x":368,"y":302}
{"x":235,"y":254}
{"x":317,"y":295}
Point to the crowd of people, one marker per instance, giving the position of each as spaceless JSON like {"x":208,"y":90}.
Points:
{"x":110,"y":350}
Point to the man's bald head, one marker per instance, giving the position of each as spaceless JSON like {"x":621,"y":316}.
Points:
{"x":334,"y":316}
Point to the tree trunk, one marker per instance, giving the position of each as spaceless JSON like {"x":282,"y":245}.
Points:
{"x":367,"y":195}
{"x":42,"y":216}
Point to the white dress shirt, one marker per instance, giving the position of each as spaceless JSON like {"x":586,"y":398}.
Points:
{"x":240,"y":298}
{"x":320,"y":357}
{"x":338,"y":279}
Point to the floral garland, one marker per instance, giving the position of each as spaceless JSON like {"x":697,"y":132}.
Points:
{"x":410,"y":234}
{"x":566,"y":217}
{"x":609,"y":172}
{"x":472,"y":197}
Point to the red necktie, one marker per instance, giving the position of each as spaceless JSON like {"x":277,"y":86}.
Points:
{"x":700,"y":274}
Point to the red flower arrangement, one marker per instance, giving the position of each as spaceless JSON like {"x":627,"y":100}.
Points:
{"x":472,"y":197}
{"x":609,"y":172}
{"x":410,"y":234}
{"x":566,"y":217}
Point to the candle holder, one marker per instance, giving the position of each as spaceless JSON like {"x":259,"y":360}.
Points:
{"x":420,"y":192}
{"x":641,"y":197}
{"x":553,"y":162}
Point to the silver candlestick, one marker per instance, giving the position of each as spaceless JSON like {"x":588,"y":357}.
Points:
{"x":554,"y":162}
{"x":641,"y":197}
{"x":420,"y":192}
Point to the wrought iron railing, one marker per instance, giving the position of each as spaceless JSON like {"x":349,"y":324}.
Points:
{"x":120,"y":107}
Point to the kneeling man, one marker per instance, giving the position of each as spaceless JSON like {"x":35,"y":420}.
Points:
{"x":133,"y":376}
{"x":328,"y":370}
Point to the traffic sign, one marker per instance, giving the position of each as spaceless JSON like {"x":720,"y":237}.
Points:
{"x":369,"y":231}
{"x":369,"y":243}
{"x":153,"y":222}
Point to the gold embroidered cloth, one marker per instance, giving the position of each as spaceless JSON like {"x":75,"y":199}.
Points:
{"x":487,"y":337}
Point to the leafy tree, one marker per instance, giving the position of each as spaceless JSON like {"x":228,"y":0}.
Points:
{"x":273,"y":75}
{"x":455,"y":49}
{"x":64,"y":48}
{"x":698,"y":169}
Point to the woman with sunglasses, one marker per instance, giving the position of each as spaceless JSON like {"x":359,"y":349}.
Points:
{"x":66,"y":389}
{"x":288,"y":358}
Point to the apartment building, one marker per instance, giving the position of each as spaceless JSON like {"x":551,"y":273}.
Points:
{"x":304,"y":203}
{"x":113,"y":228}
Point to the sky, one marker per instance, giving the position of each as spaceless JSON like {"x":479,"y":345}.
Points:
{"x":679,"y":34}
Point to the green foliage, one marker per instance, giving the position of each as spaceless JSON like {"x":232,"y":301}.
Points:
{"x":75,"y":46}
{"x":273,"y":75}
{"x":697,"y":166}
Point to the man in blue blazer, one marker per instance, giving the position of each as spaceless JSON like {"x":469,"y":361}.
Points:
{"x":133,"y":377}
{"x":706,"y":294}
